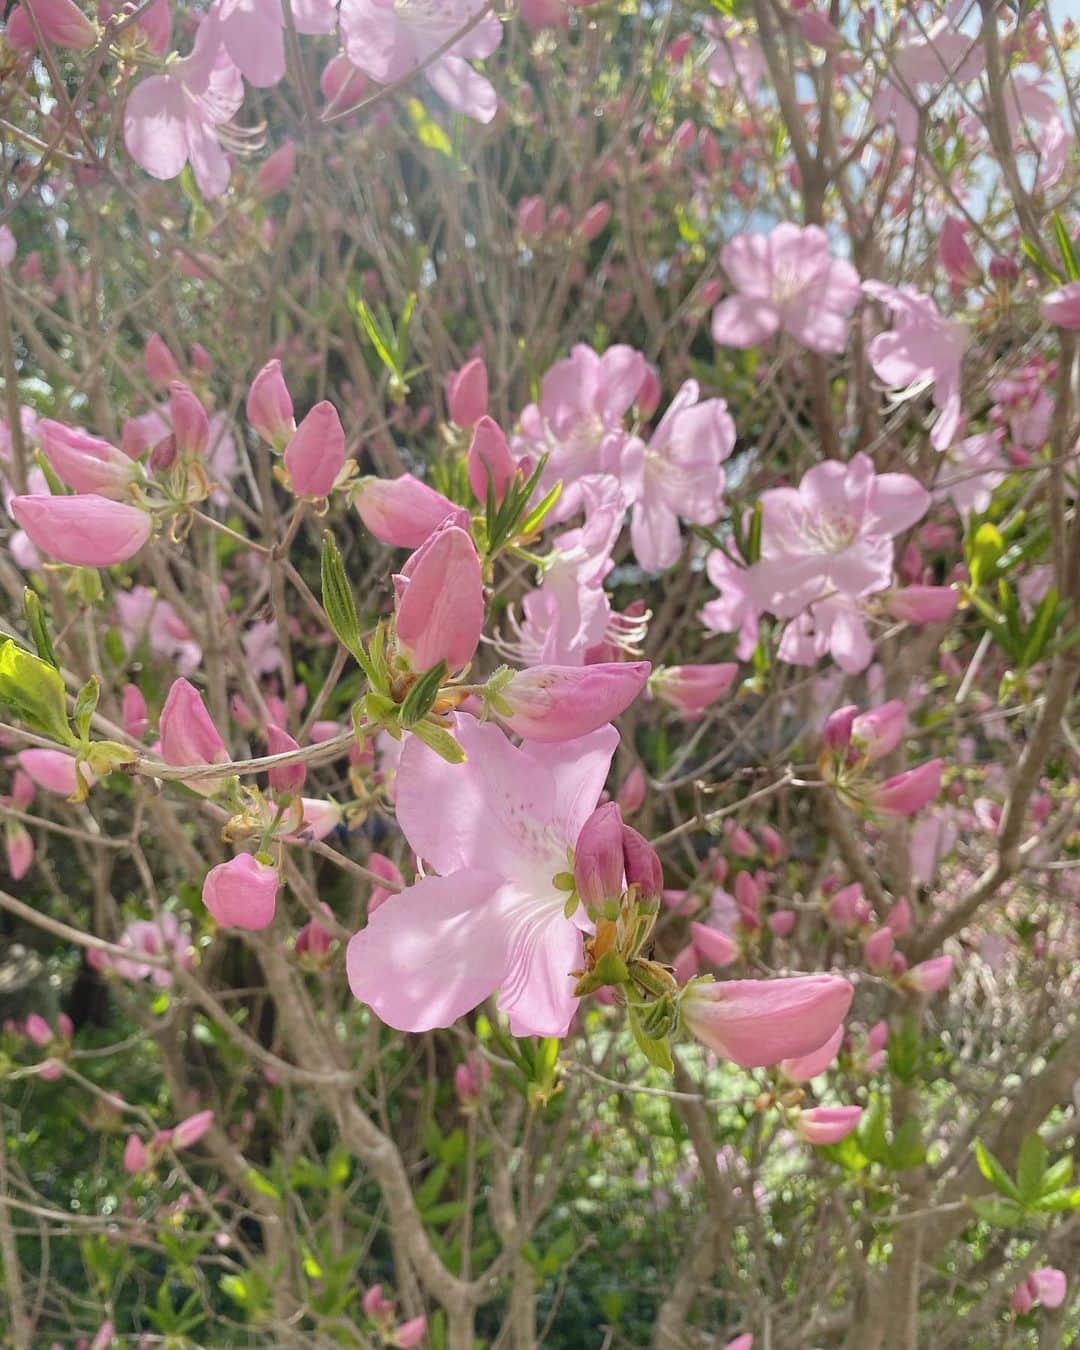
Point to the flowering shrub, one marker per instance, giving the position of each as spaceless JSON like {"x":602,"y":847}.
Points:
{"x":539,"y":682}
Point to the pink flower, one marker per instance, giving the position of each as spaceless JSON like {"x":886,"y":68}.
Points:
{"x":382,"y":866}
{"x":490,"y":460}
{"x":7,"y":246}
{"x":827,"y":1124}
{"x":313,"y":940}
{"x":877,"y":732}
{"x":561,"y":703}
{"x":83,"y":531}
{"x":269,"y":405}
{"x":404,"y":511}
{"x":760,"y":1022}
{"x":494,"y":832}
{"x":136,"y":1158}
{"x":530,"y":212}
{"x":878,"y":950}
{"x":53,"y":770}
{"x":923,"y":351}
{"x":315,"y":454}
{"x":677,"y":474}
{"x":188,"y":1133}
{"x":288,"y":777}
{"x":743,"y":1342}
{"x":389,"y":42}
{"x":190,"y":424}
{"x":38,"y":1031}
{"x":833,"y":532}
{"x":410,"y":1334}
{"x":440,"y":602}
{"x":241,"y":893}
{"x":787,"y":281}
{"x":252,"y":34}
{"x":174,"y":118}
{"x":598,"y":857}
{"x":467,"y":393}
{"x":733,"y":610}
{"x":806,"y":1067}
{"x":937,"y":57}
{"x":907,"y":792}
{"x":471,"y":1077}
{"x":276,"y":171}
{"x":632,"y":790}
{"x":691,"y":689}
{"x":160,"y":363}
{"x":1047,"y":1286}
{"x":320,"y":818}
{"x":374,"y":1305}
{"x":714,"y":947}
{"x":189,"y":736}
{"x":84,"y":462}
{"x":1062,"y":306}
{"x":1030,"y":102}
{"x":930,"y":976}
{"x":955,"y":254}
{"x":134,"y":711}
{"x":61,"y":22}
{"x":160,"y":937}
{"x":923,"y":604}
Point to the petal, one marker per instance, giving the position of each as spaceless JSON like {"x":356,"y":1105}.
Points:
{"x":155,"y":126}
{"x":431,"y":953}
{"x":376,"y":42}
{"x":579,"y":770}
{"x":537,"y":993}
{"x":253,"y":37}
{"x":464,"y":89}
{"x":743,"y":321}
{"x":655,"y":535}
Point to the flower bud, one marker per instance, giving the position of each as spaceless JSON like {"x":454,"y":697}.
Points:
{"x":410,"y":1334}
{"x":714,"y":947}
{"x":530,"y":215}
{"x":319,"y":819}
{"x":782,"y":923}
{"x":160,"y":363}
{"x":471,"y":1078}
{"x":691,"y":689}
{"x":838,"y":724}
{"x":82,"y":531}
{"x":276,"y":171}
{"x":1062,"y":306}
{"x":136,"y":1157}
{"x":134,"y":711}
{"x":641,"y":864}
{"x":241,"y":893}
{"x":190,"y":424}
{"x":595,"y":220}
{"x":286,"y":777}
{"x":84,"y":462}
{"x":759,"y":1022}
{"x":955,"y":254}
{"x":561,"y":703}
{"x":315,"y":454}
{"x":313,"y":940}
{"x":827,"y":1124}
{"x":922,"y":604}
{"x":878,"y":950}
{"x":849,"y":907}
{"x":899,"y":920}
{"x":404,"y":511}
{"x":189,"y":736}
{"x":907,"y":792}
{"x":440,"y":602}
{"x":269,"y":405}
{"x":877,"y":732}
{"x":188,"y":1133}
{"x":648,"y":395}
{"x":632,"y":790}
{"x":374,"y":1305}
{"x":930,"y":976}
{"x":341,"y":83}
{"x":467,"y":393}
{"x":490,"y":460}
{"x":19,"y":847}
{"x":53,"y":770}
{"x":598,"y":857}
{"x":772,"y":843}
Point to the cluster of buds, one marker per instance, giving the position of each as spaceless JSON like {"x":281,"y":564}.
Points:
{"x":379,"y":1311}
{"x":313,"y":453}
{"x":852,"y":742}
{"x":142,"y":1157}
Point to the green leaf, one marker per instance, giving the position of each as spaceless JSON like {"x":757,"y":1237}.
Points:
{"x":1035,"y":254}
{"x":86,"y":701}
{"x":1031,"y":1167}
{"x":337,"y":596}
{"x":656,"y":1051}
{"x":1043,"y":625}
{"x":39,"y":627}
{"x":421,"y":697}
{"x":428,"y":131}
{"x":870,"y":1133}
{"x":986,"y":549}
{"x":35,"y":690}
{"x":262,"y":1184}
{"x":997,"y":1212}
{"x":1058,"y":1202}
{"x":1065,"y":248}
{"x":1058,"y":1176}
{"x":432,"y":1186}
{"x":993,"y":1172}
{"x":906,"y":1150}
{"x":440,"y":740}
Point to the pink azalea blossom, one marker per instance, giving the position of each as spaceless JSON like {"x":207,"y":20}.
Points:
{"x":691,"y":689}
{"x":677,"y":474}
{"x":1037,"y":126}
{"x":315,"y":454}
{"x":760,"y":1022}
{"x":84,"y":462}
{"x":494,"y":832}
{"x":61,"y":22}
{"x":923,"y":351}
{"x":1062,"y":306}
{"x":737,"y":61}
{"x":142,"y":616}
{"x":150,"y":937}
{"x":787,"y":281}
{"x":269,"y":405}
{"x":252,"y":33}
{"x":560,"y":703}
{"x":241,"y":893}
{"x":177,"y":118}
{"x":733,"y":610}
{"x":931,"y":61}
{"x":930,"y":976}
{"x":973,"y":468}
{"x":388,"y":42}
{"x":7,"y":246}
{"x":189,"y":736}
{"x":833,"y":532}
{"x":404,"y":511}
{"x":85,"y":530}
{"x":909,"y":791}
{"x":53,"y":770}
{"x":467,"y":393}
{"x":440,"y":602}
{"x":806,"y":1067}
{"x":827,"y":1124}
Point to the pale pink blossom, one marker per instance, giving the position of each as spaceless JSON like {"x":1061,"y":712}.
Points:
{"x":733,"y":610}
{"x":760,"y":1022}
{"x":560,"y":703}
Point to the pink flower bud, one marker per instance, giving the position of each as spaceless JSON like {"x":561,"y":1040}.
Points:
{"x":440,"y":602}
{"x":7,"y":247}
{"x":316,"y":452}
{"x":877,"y":732}
{"x":1049,"y":1286}
{"x":922,"y":604}
{"x":685,"y":135}
{"x":1004,"y":270}
{"x":374,"y":1305}
{"x":320,"y":818}
{"x":276,"y":171}
{"x":313,"y":939}
{"x":561,"y":703}
{"x":38,"y":1030}
{"x":827,"y":1124}
{"x":899,"y":920}
{"x":878,"y":950}
{"x":188,"y":734}
{"x":404,"y":511}
{"x":559,"y":220}
{"x":134,"y":711}
{"x":678,"y":47}
{"x":136,"y":1157}
{"x":84,"y":462}
{"x":467,"y":393}
{"x":806,"y":1067}
{"x":907,"y":792}
{"x":288,"y":777}
{"x":65,"y":1026}
{"x":341,"y":83}
{"x":241,"y":893}
{"x":930,"y":976}
{"x":190,"y":424}
{"x":22,"y":790}
{"x":782,"y":923}
{"x":642,"y":864}
{"x":1062,"y":306}
{"x":714,"y":948}
{"x":490,"y":460}
{"x":955,"y":254}
{"x":760,"y":1022}
{"x":411,"y":1334}
{"x":530,"y":215}
{"x":19,"y":847}
{"x":739,"y":841}
{"x":53,"y":770}
{"x":691,"y":689}
{"x":269,"y":405}
{"x":686,"y":965}
{"x":383,"y":867}
{"x":188,"y":1133}
{"x":709,"y":149}
{"x":82,"y":531}
{"x":159,"y":361}
{"x":471,"y":1078}
{"x":631,"y":794}
{"x":598,"y":857}
{"x":595,"y":220}
{"x":849,"y":907}
{"x":772,"y":844}
{"x":743,"y":1342}
{"x":61,"y":22}
{"x":1023,"y":1299}
{"x":649,"y":393}
{"x":838,"y":724}
{"x":747,"y":893}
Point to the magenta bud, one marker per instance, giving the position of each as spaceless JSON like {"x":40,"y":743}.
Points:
{"x":374,"y":1305}
{"x":287,"y":777}
{"x":342,"y":83}
{"x":133,"y":707}
{"x":759,"y":1022}
{"x":160,"y":363}
{"x":410,"y":1334}
{"x":1004,"y":270}
{"x":136,"y":1157}
{"x":490,"y":460}
{"x":816,"y":30}
{"x":188,"y":734}
{"x":955,"y":254}
{"x":907,"y":792}
{"x":686,"y":965}
{"x":471,"y":1078}
{"x":649,"y":393}
{"x":316,"y":452}
{"x":188,"y":1133}
{"x":82,"y":531}
{"x":276,"y":171}
{"x":782,"y":923}
{"x":440,"y":602}
{"x":530,"y":215}
{"x":849,"y":906}
{"x":467,"y":393}
{"x":561,"y":703}
{"x":878,"y":950}
{"x":922,"y":604}
{"x":84,"y":462}
{"x":827,"y":1124}
{"x":709,"y":149}
{"x":598,"y":857}
{"x":241,"y":893}
{"x":201,"y":359}
{"x":595,"y":220}
{"x":269,"y":405}
{"x":631,"y":794}
{"x":641,"y":864}
{"x":714,"y":947}
{"x":930,"y":976}
{"x":739,"y":841}
{"x":837,"y":732}
{"x":899,"y":920}
{"x":190,"y":424}
{"x":747,"y":893}
{"x":404,"y":511}
{"x":691,"y":689}
{"x":61,"y":22}
{"x":53,"y":770}
{"x":772,"y":843}
{"x":38,"y":1030}
{"x":383,"y":867}
{"x":878,"y":731}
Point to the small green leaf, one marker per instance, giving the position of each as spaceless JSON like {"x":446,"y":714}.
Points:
{"x":1058,"y":1176}
{"x":39,"y":627}
{"x":440,"y":740}
{"x":1066,"y":249}
{"x":986,"y":550}
{"x":1031,"y":1167}
{"x":1058,"y":1202}
{"x":993,"y":1172}
{"x":337,"y":596}
{"x":428,"y":131}
{"x":870,"y":1134}
{"x":996,"y":1211}
{"x":36,"y":691}
{"x":1035,"y":254}
{"x":421,"y":697}
{"x":86,"y":701}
